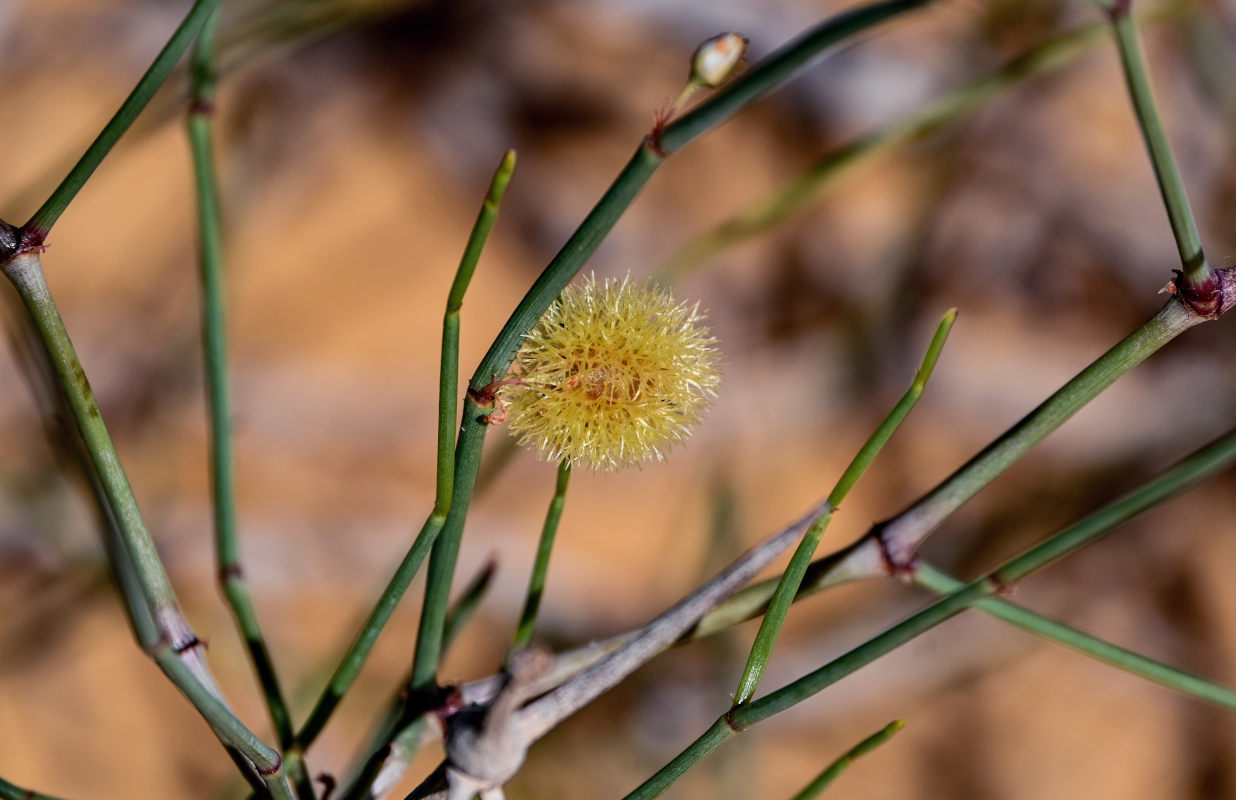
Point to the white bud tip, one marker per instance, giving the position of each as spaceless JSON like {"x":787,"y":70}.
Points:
{"x":717,"y":59}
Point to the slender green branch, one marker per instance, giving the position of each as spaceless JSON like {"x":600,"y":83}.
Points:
{"x":394,"y":729}
{"x":1052,"y":54}
{"x":345,"y":674}
{"x":1197,"y":272}
{"x":1123,"y":659}
{"x":216,"y":712}
{"x":446,"y":550}
{"x":1203,"y":463}
{"x":214,"y":341}
{"x":461,"y":611}
{"x":856,"y":752}
{"x":36,"y":230}
{"x":448,"y":390}
{"x":900,"y":536}
{"x":9,"y":791}
{"x":349,"y":667}
{"x":540,"y":567}
{"x":26,"y":273}
{"x":791,"y":579}
{"x":154,"y":629}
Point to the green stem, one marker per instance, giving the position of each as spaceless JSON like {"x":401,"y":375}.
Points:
{"x":150,"y":604}
{"x":26,"y":273}
{"x":1127,"y":660}
{"x":1197,"y":271}
{"x":395,"y":729}
{"x":349,"y":667}
{"x":214,"y":340}
{"x":230,"y":730}
{"x":345,"y":674}
{"x":1201,"y":464}
{"x":41,"y":223}
{"x":465,"y":605}
{"x":791,"y":579}
{"x":448,"y":389}
{"x":446,"y":549}
{"x":295,"y":766}
{"x":856,"y":752}
{"x":540,"y":567}
{"x":9,"y":791}
{"x":824,"y":173}
{"x":903,"y":534}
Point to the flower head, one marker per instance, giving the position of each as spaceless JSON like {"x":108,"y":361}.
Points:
{"x":612,"y":375}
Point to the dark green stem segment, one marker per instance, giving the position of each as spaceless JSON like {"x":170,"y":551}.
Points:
{"x":387,"y":731}
{"x":1202,"y":464}
{"x":9,"y":791}
{"x":345,"y":674}
{"x":843,"y":762}
{"x":446,"y":549}
{"x":1197,"y":272}
{"x":448,"y":390}
{"x":216,"y":712}
{"x":400,"y":726}
{"x":465,"y":605}
{"x":1129,"y":661}
{"x":214,"y":341}
{"x":540,"y":567}
{"x":36,"y":229}
{"x":792,"y":578}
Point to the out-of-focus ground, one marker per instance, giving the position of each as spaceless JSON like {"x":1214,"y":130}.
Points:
{"x":351,"y":170}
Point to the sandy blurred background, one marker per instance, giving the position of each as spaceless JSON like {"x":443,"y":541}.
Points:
{"x":354,"y":151}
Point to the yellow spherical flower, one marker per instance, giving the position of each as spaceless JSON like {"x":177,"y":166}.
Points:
{"x":612,"y":375}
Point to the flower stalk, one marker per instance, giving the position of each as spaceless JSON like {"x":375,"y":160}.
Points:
{"x":540,"y":566}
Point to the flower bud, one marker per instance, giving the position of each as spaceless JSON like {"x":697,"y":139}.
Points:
{"x":718,"y":59}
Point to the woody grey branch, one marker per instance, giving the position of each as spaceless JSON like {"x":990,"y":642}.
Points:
{"x":493,"y":737}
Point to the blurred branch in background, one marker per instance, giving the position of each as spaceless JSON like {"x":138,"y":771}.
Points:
{"x":833,"y":770}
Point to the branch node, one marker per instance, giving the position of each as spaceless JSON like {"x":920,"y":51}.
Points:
{"x":897,"y":564}
{"x":187,"y":645}
{"x":1001,"y":586}
{"x":1210,"y":299}
{"x":732,"y":723}
{"x":1119,"y":9}
{"x":32,"y":239}
{"x":273,"y":770}
{"x":201,"y":107}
